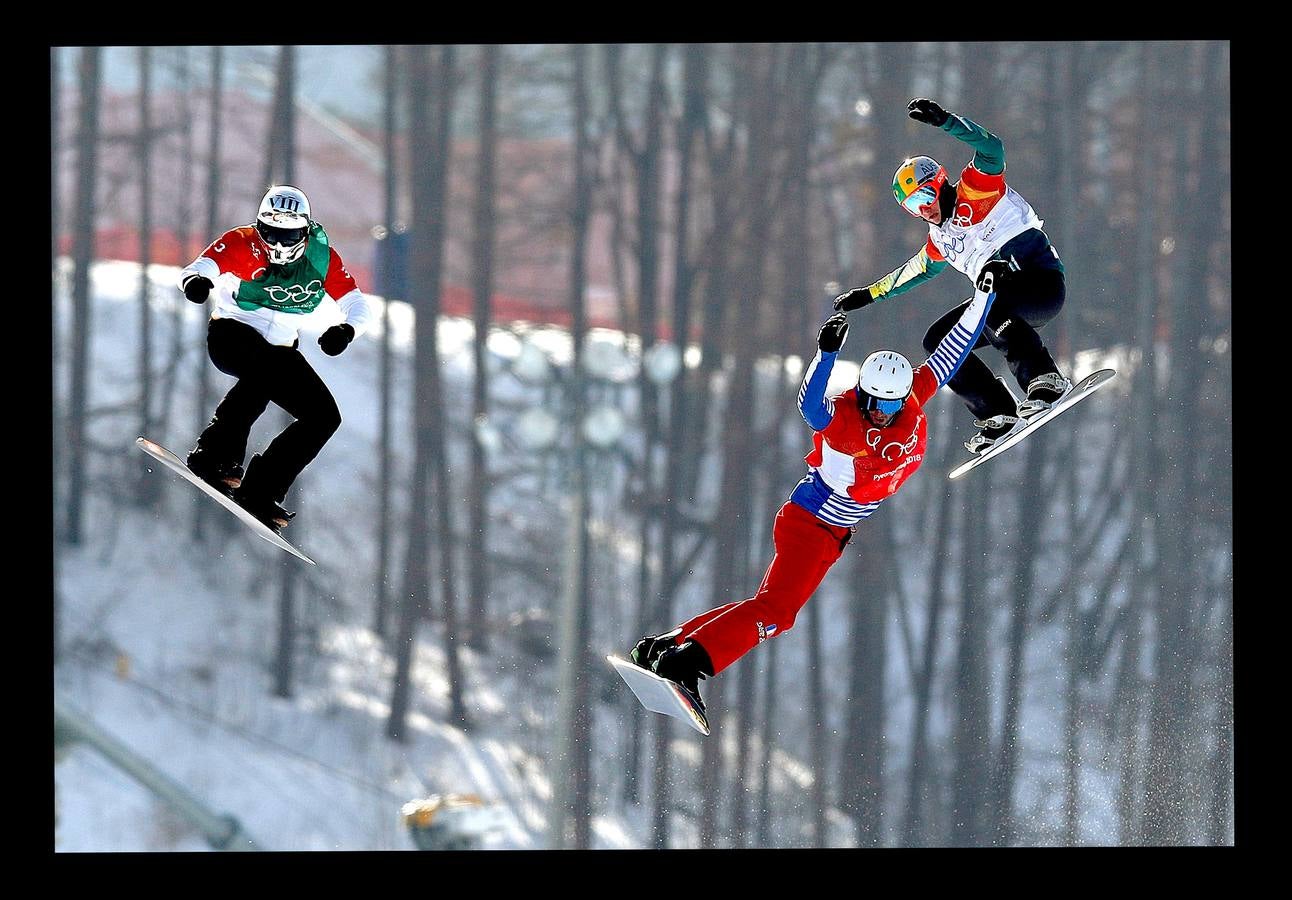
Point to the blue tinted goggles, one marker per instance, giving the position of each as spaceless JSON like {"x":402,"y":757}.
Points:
{"x":920,"y":198}
{"x":878,"y":404}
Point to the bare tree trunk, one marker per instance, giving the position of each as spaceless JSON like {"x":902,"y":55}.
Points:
{"x":756,"y":82}
{"x":428,"y":144}
{"x":971,"y":739}
{"x":55,"y":456}
{"x":387,"y":250}
{"x":202,"y":510}
{"x":288,"y":585}
{"x":1221,"y":810}
{"x":915,"y":827}
{"x":1186,"y":471}
{"x":147,"y":487}
{"x":87,"y":168}
{"x":446,"y":88}
{"x":476,"y":633}
{"x":694,"y":111}
{"x":572,"y":786}
{"x":1022,"y":587}
{"x":183,"y":216}
{"x":861,"y":770}
{"x":1060,"y":90}
{"x":758,"y":724}
{"x":767,"y":741}
{"x":645,"y":160}
{"x":55,"y":147}
{"x":817,"y":720}
{"x":280,"y":156}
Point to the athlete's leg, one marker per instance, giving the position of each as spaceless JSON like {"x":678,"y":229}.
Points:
{"x":806,"y":548}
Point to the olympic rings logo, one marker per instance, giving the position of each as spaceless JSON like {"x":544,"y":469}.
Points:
{"x":293,"y":294}
{"x":893,"y":449}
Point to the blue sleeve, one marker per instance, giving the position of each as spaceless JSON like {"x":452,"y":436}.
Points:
{"x":817,"y":409}
{"x":955,"y":348}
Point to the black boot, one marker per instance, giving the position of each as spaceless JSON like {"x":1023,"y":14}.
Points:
{"x":649,"y":648}
{"x":685,"y":664}
{"x":223,"y":475}
{"x":265,"y":510}
{"x":256,"y":497}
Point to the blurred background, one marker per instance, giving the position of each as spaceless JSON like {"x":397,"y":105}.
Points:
{"x":597,"y":273}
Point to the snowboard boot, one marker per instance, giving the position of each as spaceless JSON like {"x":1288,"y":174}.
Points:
{"x":993,"y":429}
{"x":264,"y":510}
{"x":224,"y":476}
{"x":649,"y":648}
{"x":685,"y":664}
{"x":1043,"y":391}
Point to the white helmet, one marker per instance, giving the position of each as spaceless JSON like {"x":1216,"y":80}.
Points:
{"x":283,"y":223}
{"x":883,"y":385}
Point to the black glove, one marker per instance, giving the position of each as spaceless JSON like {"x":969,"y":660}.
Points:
{"x":853,"y":299}
{"x":993,"y":275}
{"x":336,"y":339}
{"x":833,"y":333}
{"x":197,"y":287}
{"x":922,"y":109}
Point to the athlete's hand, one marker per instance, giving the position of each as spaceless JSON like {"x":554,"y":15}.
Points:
{"x":197,"y":288}
{"x":994,"y":273}
{"x":833,"y":333}
{"x":853,"y":299}
{"x":336,"y":339}
{"x":922,"y":109}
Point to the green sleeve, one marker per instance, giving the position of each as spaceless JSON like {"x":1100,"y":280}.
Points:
{"x":988,"y":150}
{"x":916,"y":270}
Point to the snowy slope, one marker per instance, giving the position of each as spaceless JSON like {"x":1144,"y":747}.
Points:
{"x":169,"y":643}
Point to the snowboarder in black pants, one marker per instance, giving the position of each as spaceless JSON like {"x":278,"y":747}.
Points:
{"x":981,"y":226}
{"x":264,"y":277}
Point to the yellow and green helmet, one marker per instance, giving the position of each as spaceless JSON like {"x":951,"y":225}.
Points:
{"x":917,"y":182}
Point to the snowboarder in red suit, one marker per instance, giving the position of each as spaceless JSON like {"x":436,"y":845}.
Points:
{"x":264,"y":278}
{"x":866,"y":443}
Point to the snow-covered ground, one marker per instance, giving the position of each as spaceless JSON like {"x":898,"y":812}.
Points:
{"x":168,"y":643}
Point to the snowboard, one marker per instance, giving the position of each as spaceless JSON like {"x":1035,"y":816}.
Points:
{"x":171,"y":461}
{"x":659,"y":694}
{"x":1080,"y":391}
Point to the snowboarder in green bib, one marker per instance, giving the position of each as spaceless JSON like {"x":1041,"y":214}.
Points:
{"x":263,"y":278}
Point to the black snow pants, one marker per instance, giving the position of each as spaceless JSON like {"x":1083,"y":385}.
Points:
{"x":266,"y":373}
{"x":1026,"y":300}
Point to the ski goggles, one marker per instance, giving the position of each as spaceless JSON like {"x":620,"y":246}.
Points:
{"x":889,"y":408}
{"x":920,"y":198}
{"x":283,"y":237}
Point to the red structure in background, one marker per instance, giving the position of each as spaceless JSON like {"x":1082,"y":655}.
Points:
{"x":340,"y":169}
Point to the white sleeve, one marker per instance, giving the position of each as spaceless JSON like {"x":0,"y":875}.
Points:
{"x":356,"y":311}
{"x":203,"y":266}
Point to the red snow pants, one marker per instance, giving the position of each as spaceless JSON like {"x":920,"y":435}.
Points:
{"x":806,"y":548}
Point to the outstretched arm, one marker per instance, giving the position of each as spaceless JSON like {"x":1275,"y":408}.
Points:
{"x":816,"y":407}
{"x":988,"y":150}
{"x":955,"y":348}
{"x":923,"y":266}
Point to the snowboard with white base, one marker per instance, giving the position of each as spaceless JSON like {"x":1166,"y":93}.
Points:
{"x":659,"y":694}
{"x":171,"y":461}
{"x":1080,"y":391}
